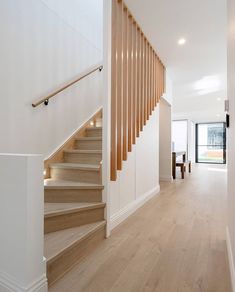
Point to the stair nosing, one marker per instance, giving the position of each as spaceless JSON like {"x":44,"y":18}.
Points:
{"x":89,"y":138}
{"x":58,"y":187}
{"x":93,"y":128}
{"x":64,"y":184}
{"x":98,"y":205}
{"x":78,"y":166}
{"x":83,"y":151}
{"x":84,"y":237}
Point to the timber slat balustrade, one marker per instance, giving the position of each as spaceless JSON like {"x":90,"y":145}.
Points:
{"x":138,"y":82}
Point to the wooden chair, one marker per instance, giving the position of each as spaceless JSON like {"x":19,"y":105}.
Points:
{"x":182,"y":166}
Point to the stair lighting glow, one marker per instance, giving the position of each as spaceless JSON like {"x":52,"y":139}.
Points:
{"x":44,"y":172}
{"x":91,"y":123}
{"x":181,"y":42}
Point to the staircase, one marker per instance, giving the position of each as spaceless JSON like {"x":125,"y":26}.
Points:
{"x":74,"y":212}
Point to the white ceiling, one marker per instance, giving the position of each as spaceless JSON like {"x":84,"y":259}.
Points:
{"x":197,"y":69}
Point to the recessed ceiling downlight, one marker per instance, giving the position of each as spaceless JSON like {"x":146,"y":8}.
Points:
{"x":181,"y":41}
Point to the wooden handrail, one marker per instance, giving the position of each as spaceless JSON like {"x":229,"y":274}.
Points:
{"x":46,"y":99}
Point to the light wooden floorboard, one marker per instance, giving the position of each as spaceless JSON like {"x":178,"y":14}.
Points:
{"x":174,"y":243}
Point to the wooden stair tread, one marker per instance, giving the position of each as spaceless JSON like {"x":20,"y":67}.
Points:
{"x":93,"y":128}
{"x":73,"y":209}
{"x":57,"y":242}
{"x":52,"y":209}
{"x":83,"y":151}
{"x":89,"y":139}
{"x":92,"y":167}
{"x":63,"y":184}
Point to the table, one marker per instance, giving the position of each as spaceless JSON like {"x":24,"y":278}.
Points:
{"x":174,"y":155}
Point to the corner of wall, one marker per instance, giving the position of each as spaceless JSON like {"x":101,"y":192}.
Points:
{"x":7,"y":284}
{"x":230,"y":259}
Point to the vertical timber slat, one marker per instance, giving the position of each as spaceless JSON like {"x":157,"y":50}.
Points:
{"x":125,"y":82}
{"x":145,"y":83}
{"x":134,"y":83}
{"x":137,"y":83}
{"x":130,"y":83}
{"x":113,"y":154}
{"x":119,"y":87}
{"x":142,"y":82}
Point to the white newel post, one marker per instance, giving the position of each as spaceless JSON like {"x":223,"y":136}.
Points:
{"x":22,"y":266}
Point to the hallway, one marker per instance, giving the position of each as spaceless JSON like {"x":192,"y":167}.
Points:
{"x":174,"y":243}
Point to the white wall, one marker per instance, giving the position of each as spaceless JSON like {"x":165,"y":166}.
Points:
{"x":168,"y":95}
{"x":43,"y":47}
{"x":165,"y":157}
{"x":139,"y":179}
{"x":22,"y":267}
{"x":165,"y":139}
{"x":180,"y":135}
{"x":86,"y":17}
{"x":189,"y":140}
{"x":231,"y":138}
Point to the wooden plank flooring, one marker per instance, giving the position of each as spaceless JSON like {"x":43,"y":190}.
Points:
{"x":174,"y":243}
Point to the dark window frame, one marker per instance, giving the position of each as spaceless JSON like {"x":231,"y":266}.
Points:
{"x":224,"y":143}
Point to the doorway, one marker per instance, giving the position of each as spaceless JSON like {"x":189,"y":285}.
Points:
{"x":211,"y":143}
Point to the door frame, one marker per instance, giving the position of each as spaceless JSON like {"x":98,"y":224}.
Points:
{"x":224,"y":143}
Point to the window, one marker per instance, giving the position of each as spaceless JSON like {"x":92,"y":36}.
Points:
{"x":211,"y":143}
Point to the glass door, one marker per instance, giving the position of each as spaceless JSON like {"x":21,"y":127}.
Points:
{"x":211,"y":143}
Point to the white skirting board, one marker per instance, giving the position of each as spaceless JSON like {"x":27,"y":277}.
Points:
{"x":230,"y":258}
{"x":123,"y":214}
{"x":7,"y":284}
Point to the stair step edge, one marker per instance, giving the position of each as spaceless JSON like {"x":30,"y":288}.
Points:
{"x":74,"y":151}
{"x":98,"y":187}
{"x":60,"y":184}
{"x":89,"y":139}
{"x":76,"y":209}
{"x":78,"y":166}
{"x":95,"y":228}
{"x":93,"y":128}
